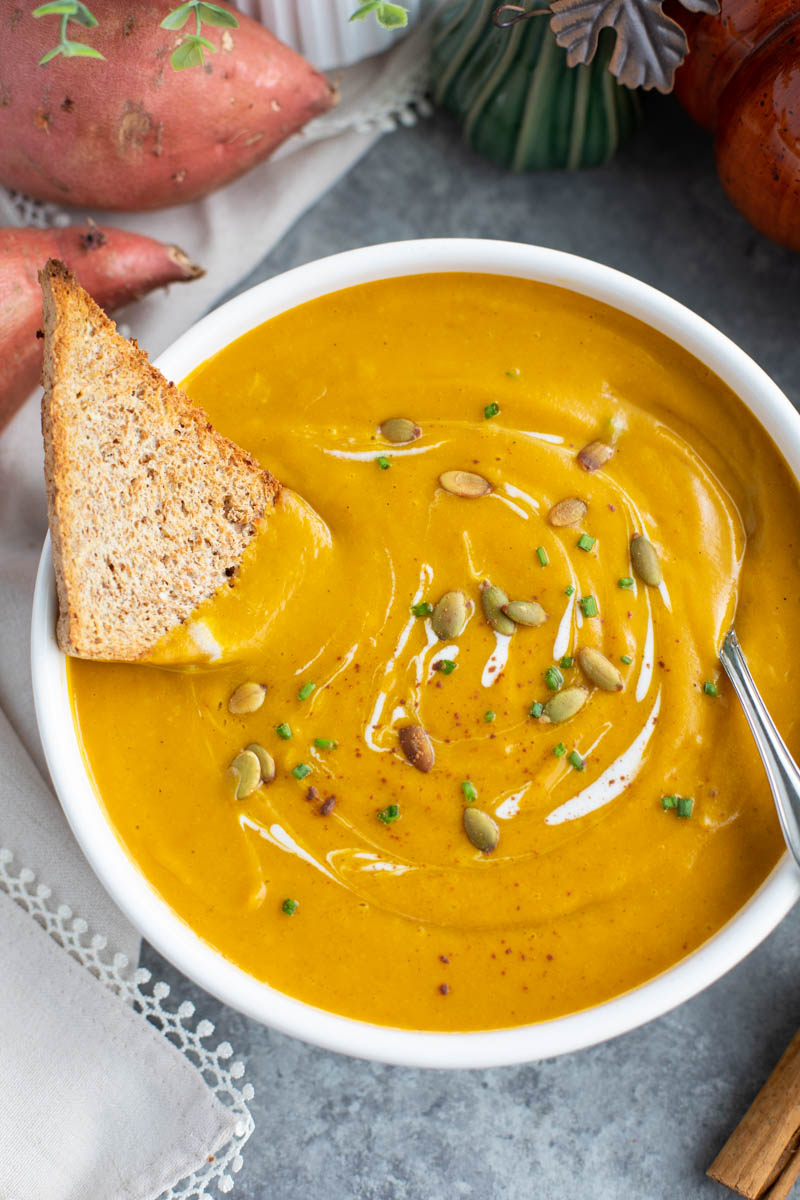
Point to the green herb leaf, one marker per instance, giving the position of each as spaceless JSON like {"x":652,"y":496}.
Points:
{"x":212,"y":14}
{"x":50,"y":55}
{"x":289,"y":907}
{"x":84,"y":17}
{"x":389,"y":814}
{"x":585,"y":542}
{"x":178,"y":17}
{"x":470,"y":791}
{"x":575,"y":760}
{"x":588,"y":606}
{"x":489,"y":716}
{"x":560,"y":750}
{"x":325,"y":743}
{"x":445,"y":666}
{"x":685,"y":806}
{"x":491,"y":410}
{"x":669,"y":802}
{"x":541,"y":554}
{"x":536,"y":709}
{"x":513,"y":373}
{"x":306,"y":690}
{"x":59,"y":8}
{"x":553,"y":678}
{"x":383,"y":462}
{"x":78,"y":50}
{"x":283,"y":731}
{"x":625,"y":582}
{"x":710,"y":688}
{"x":188,"y":54}
{"x":301,"y":770}
{"x":423,"y":609}
{"x":626,"y":658}
{"x":566,"y":662}
{"x":390,"y":16}
{"x":569,"y":591}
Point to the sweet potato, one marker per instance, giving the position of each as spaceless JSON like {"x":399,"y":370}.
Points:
{"x":114,"y":266}
{"x":132,"y":132}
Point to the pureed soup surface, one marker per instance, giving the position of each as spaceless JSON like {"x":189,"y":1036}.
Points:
{"x":594,"y":886}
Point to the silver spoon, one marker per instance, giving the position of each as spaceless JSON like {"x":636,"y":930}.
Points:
{"x":782,"y":771}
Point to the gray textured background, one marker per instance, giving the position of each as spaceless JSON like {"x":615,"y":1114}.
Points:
{"x":639,"y":1118}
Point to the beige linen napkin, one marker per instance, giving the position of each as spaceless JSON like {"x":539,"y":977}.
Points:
{"x":94,"y":1101}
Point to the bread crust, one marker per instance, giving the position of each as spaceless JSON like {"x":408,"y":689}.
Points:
{"x":150,"y":509}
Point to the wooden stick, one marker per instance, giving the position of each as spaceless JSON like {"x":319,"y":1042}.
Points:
{"x":761,"y":1159}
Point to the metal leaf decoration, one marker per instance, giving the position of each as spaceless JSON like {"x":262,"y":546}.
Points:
{"x":649,"y":47}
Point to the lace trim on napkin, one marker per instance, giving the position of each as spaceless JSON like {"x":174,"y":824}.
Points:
{"x":224,"y":1079}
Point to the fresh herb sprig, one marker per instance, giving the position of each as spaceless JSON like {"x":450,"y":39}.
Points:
{"x":191,"y":51}
{"x":390,"y":16}
{"x":68,"y":10}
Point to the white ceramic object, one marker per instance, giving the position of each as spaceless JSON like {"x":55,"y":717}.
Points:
{"x":131,"y":891}
{"x":322,"y":32}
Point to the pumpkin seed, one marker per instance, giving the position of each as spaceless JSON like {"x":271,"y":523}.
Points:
{"x":481,"y":830}
{"x":565,"y":704}
{"x":246,"y":771}
{"x":645,"y":560}
{"x":525,"y":612}
{"x":246,"y":698}
{"x":266,"y":761}
{"x":595,"y":455}
{"x":400,"y":429}
{"x":567,"y":512}
{"x":465,"y":484}
{"x":599,"y":670}
{"x":450,"y":615}
{"x":417,"y":747}
{"x":493,"y":600}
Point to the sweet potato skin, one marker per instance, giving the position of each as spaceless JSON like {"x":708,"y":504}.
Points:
{"x":132,"y":133}
{"x":114,"y":266}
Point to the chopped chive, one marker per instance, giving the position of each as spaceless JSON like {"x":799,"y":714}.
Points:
{"x":575,"y":760}
{"x":470,"y":791}
{"x":536,"y":709}
{"x":585,"y":542}
{"x":626,"y":658}
{"x":301,"y":770}
{"x":568,"y":591}
{"x":306,"y":690}
{"x":383,"y":462}
{"x":489,"y":716}
{"x":513,"y":373}
{"x":566,"y":661}
{"x":588,"y":606}
{"x":445,"y":666}
{"x":625,"y":582}
{"x":289,"y":907}
{"x":685,"y":806}
{"x":710,"y":688}
{"x":283,"y":731}
{"x":491,"y":410}
{"x":325,"y":743}
{"x":560,"y":750}
{"x":553,"y":678}
{"x":423,"y":609}
{"x":669,"y":801}
{"x":541,"y":554}
{"x":389,"y":814}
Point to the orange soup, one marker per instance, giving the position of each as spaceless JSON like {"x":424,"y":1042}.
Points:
{"x":499,"y":775}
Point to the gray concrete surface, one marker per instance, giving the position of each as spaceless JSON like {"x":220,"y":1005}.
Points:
{"x":641,"y":1117}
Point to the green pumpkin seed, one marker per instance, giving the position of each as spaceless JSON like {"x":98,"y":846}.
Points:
{"x":565,"y":704}
{"x":450,"y":615}
{"x":466,"y":484}
{"x":481,"y":830}
{"x":525,"y":612}
{"x":645,"y":560}
{"x":247,"y":698}
{"x":246,"y":770}
{"x":599,"y":670}
{"x":400,"y":429}
{"x":595,"y":455}
{"x":567,"y":512}
{"x":417,"y":747}
{"x":266,"y":761}
{"x":493,"y":600}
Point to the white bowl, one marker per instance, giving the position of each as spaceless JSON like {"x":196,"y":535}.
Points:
{"x":122,"y":878}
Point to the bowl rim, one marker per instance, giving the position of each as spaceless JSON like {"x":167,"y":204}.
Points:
{"x":153,"y":917}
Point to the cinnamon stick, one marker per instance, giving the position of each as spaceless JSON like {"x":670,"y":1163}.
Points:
{"x":761,"y":1159}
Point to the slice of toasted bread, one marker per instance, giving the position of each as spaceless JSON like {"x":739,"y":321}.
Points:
{"x":150,"y":508}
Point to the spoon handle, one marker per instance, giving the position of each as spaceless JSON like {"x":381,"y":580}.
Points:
{"x":782,"y":771}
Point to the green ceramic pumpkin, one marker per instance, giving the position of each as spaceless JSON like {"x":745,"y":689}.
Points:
{"x":519,"y":103}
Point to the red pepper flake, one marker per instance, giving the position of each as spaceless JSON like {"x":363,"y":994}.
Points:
{"x":549,"y":958}
{"x":444,"y":988}
{"x":312,"y":794}
{"x":443,"y":958}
